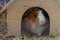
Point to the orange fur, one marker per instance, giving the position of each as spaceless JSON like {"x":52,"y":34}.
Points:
{"x":33,"y":20}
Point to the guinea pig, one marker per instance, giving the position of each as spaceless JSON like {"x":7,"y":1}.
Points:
{"x":34,"y":23}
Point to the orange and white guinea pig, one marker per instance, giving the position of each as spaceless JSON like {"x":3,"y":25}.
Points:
{"x":34,"y":23}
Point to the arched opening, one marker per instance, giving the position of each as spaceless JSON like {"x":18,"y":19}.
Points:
{"x":35,"y":22}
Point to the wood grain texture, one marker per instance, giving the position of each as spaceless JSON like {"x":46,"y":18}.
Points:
{"x":18,"y":7}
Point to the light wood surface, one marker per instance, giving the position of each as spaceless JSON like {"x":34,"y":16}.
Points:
{"x":18,"y":7}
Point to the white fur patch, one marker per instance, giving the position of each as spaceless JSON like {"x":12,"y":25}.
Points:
{"x":41,"y":17}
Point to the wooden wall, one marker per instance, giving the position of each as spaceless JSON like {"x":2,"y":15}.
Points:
{"x":18,"y":7}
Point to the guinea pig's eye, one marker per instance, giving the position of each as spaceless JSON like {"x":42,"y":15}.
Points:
{"x":34,"y":15}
